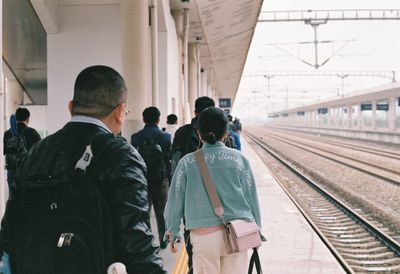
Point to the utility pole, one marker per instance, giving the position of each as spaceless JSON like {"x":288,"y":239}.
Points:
{"x":268,"y":77}
{"x":315,"y":18}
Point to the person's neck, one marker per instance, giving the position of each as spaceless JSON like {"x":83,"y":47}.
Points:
{"x":23,"y":122}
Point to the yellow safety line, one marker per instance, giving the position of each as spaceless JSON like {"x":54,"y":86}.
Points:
{"x":181,"y":266}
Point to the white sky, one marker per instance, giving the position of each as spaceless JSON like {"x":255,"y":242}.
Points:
{"x":377,"y":48}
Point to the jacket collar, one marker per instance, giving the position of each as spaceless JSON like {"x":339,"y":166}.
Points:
{"x":217,"y":144}
{"x":89,"y":120}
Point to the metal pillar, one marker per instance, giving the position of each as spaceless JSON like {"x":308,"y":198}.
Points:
{"x":186,"y":112}
{"x":178,"y":18}
{"x":193,"y":75}
{"x":154,"y":52}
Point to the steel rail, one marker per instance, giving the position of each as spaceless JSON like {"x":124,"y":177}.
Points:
{"x":375,"y":151}
{"x":366,"y":171}
{"x":381,"y":236}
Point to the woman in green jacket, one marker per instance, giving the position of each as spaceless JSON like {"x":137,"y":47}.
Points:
{"x":188,"y":199}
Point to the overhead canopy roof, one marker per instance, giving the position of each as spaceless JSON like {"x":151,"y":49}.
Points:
{"x":226,"y":29}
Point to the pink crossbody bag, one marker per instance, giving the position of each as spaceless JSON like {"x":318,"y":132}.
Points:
{"x":241,"y":234}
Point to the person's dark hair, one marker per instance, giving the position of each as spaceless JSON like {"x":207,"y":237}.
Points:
{"x":98,"y":91}
{"x":202,"y":103}
{"x":212,"y":124}
{"x":229,"y":117}
{"x":151,"y":115}
{"x":172,"y":119}
{"x":22,"y":114}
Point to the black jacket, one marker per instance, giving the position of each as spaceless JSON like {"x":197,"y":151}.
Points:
{"x":31,"y":136}
{"x":186,"y":139}
{"x":120,"y":174}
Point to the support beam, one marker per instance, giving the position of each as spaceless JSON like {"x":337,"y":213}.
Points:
{"x":332,"y":15}
{"x":47,"y":13}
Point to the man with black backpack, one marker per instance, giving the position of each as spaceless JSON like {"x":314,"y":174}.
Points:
{"x":17,"y":141}
{"x":186,"y":140}
{"x":80,"y":202}
{"x":154,"y":146}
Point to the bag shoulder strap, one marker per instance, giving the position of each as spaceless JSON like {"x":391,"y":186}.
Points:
{"x":255,"y":261}
{"x":209,"y":185}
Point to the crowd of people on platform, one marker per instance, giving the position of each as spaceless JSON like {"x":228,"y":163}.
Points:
{"x":84,"y":194}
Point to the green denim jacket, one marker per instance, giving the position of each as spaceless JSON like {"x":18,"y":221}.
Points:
{"x":233,"y":179}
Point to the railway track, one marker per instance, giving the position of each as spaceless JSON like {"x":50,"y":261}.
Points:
{"x":390,"y":175}
{"x":362,"y":148}
{"x":360,"y":246}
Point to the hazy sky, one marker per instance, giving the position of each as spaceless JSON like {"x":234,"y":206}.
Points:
{"x":376,"y":47}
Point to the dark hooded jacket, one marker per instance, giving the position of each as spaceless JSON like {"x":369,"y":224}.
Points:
{"x":120,"y":175}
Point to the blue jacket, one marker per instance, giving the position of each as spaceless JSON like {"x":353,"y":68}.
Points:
{"x":152,"y":132}
{"x":237,"y":139}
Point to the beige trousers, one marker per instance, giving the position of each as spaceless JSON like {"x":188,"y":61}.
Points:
{"x":210,"y":255}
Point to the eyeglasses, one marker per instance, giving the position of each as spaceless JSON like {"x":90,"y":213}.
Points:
{"x":126,"y":111}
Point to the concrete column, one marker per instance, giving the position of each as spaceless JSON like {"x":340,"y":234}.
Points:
{"x":331,"y":113}
{"x":392,"y":113}
{"x":178,"y":18}
{"x":360,"y":117}
{"x":373,"y":119}
{"x":192,"y":73}
{"x":349,"y":115}
{"x":14,"y":96}
{"x":136,"y":60}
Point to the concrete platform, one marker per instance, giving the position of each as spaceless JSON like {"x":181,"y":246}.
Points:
{"x":292,"y":246}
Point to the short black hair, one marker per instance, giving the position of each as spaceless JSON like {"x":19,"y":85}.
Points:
{"x":98,"y":91}
{"x":202,"y":103}
{"x":229,"y":117}
{"x":212,"y":124}
{"x":22,"y":114}
{"x":151,"y":115}
{"x":172,"y":119}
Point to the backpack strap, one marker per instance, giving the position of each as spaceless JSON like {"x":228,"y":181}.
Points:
{"x":85,"y":160}
{"x":87,"y":155}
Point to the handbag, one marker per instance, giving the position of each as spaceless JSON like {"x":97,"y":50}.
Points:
{"x":241,"y":234}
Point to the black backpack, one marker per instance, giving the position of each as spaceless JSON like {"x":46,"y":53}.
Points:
{"x":190,"y":143}
{"x":15,"y":148}
{"x":152,"y":154}
{"x":60,"y":225}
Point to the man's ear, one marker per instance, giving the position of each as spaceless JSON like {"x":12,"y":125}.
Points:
{"x":119,"y":113}
{"x":70,"y":107}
